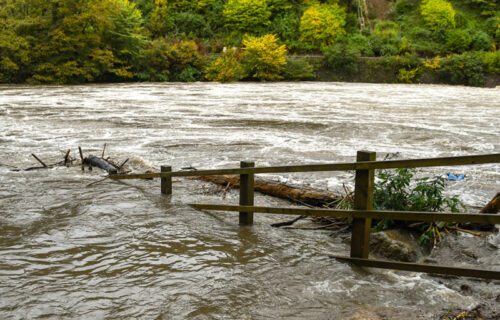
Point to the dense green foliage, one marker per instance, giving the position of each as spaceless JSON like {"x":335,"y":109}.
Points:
{"x":342,"y":57}
{"x":54,"y":41}
{"x":70,"y":41}
{"x":464,"y":69}
{"x":397,"y":190}
{"x":226,"y":68}
{"x":175,"y":61}
{"x":246,"y":15}
{"x":298,"y":69}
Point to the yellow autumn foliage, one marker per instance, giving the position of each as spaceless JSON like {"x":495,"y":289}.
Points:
{"x":263,"y":58}
{"x":321,"y":24}
{"x":438,"y":14}
{"x":433,"y":64}
{"x":226,"y":68}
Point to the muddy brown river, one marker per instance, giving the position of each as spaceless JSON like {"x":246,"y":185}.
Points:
{"x":72,"y":247}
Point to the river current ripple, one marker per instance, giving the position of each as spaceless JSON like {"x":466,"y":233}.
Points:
{"x":74,"y":248}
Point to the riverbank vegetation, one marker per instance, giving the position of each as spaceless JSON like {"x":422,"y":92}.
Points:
{"x":408,"y":41}
{"x":399,"y":190}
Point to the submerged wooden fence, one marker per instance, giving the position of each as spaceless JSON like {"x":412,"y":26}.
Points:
{"x":361,"y":215}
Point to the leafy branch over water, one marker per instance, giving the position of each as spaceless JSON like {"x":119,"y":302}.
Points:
{"x":395,"y":190}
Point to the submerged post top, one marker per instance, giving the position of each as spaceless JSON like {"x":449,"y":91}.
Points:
{"x":246,"y":164}
{"x":365,"y":155}
{"x":365,"y":151}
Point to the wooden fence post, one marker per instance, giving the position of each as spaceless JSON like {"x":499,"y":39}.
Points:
{"x":363,"y":200}
{"x":246,"y":193}
{"x":166,"y":183}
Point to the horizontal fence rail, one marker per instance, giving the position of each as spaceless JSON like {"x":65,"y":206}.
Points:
{"x":365,"y":165}
{"x":372,"y":214}
{"x":362,"y":215}
{"x":421,"y":267}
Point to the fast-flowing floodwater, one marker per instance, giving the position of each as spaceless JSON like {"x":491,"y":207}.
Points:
{"x":73,"y":247}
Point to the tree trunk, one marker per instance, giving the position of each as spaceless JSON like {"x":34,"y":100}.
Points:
{"x":313,"y":197}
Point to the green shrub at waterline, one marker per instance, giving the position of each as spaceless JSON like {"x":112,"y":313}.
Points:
{"x":298,"y":69}
{"x":171,"y":60}
{"x":226,"y":68}
{"x":395,"y":190}
{"x":490,"y":61}
{"x":466,"y":69}
{"x":341,"y":58}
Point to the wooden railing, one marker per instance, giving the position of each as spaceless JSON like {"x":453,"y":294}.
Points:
{"x":361,"y":215}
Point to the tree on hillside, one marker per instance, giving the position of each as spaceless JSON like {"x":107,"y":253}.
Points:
{"x":438,"y":14}
{"x":246,"y":15}
{"x":487,"y":7}
{"x":159,"y":19}
{"x":125,"y":36}
{"x":147,"y":7}
{"x":171,"y":60}
{"x":189,"y":5}
{"x":263,"y":58}
{"x":14,"y":49}
{"x":76,"y":41}
{"x":320,"y":25}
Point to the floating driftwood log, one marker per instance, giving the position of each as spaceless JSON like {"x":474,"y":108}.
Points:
{"x":103,"y":164}
{"x":310,"y":196}
{"x":305,"y":196}
{"x":91,"y":161}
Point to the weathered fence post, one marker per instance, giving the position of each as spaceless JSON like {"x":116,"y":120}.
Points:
{"x":166,"y":183}
{"x":246,"y":193}
{"x":363,"y":200}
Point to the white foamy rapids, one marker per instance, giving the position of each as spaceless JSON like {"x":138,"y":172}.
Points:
{"x":209,"y":125}
{"x":73,"y":246}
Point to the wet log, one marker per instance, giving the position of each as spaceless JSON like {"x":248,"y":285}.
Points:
{"x":102,"y":164}
{"x":493,"y":206}
{"x":310,"y":196}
